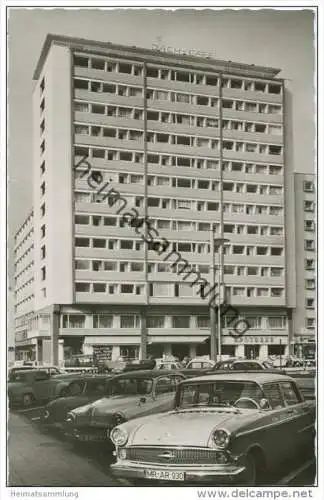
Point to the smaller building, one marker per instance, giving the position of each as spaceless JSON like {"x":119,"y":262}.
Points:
{"x":304,"y":316}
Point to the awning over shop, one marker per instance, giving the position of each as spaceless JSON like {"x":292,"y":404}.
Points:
{"x":173,"y":339}
{"x":152,"y":339}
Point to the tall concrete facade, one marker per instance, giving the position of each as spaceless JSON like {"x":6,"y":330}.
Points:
{"x":123,"y":135}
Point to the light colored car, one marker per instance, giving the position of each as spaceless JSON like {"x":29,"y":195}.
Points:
{"x":130,"y":395}
{"x":198,"y":363}
{"x":224,"y":428}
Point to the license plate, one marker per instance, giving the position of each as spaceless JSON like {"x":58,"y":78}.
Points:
{"x":86,"y":438}
{"x":164,"y":475}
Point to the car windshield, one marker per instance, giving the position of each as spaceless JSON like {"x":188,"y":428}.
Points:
{"x":131,"y":386}
{"x":218,"y":393}
{"x":267,"y":364}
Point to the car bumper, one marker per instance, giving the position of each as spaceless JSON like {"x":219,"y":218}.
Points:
{"x":203,"y":473}
{"x":97,"y":435}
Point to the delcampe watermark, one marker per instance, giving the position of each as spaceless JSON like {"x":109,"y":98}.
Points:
{"x":142,"y":226}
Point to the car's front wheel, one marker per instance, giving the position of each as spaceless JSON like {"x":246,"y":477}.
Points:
{"x":250,"y":475}
{"x":27,"y":400}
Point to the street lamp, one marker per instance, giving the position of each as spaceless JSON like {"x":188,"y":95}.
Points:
{"x":216,"y":324}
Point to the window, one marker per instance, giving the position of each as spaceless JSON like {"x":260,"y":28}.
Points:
{"x":43,"y":273}
{"x":180,"y":321}
{"x":161,"y":290}
{"x":42,"y":168}
{"x":82,"y":242}
{"x":43,"y":231}
{"x":129,"y":321}
{"x":126,"y":288}
{"x":273,"y":395}
{"x":155,"y":322}
{"x":309,"y":206}
{"x":275,"y":150}
{"x":82,"y":265}
{"x":276,"y":251}
{"x":43,"y":252}
{"x":309,"y":225}
{"x":238,"y":291}
{"x":80,"y":61}
{"x":309,"y":245}
{"x":203,"y":321}
{"x":74,"y":321}
{"x":310,"y":284}
{"x":81,"y":106}
{"x":310,"y":303}
{"x":310,"y":322}
{"x":276,"y":292}
{"x":42,"y":85}
{"x":82,"y":287}
{"x":42,"y":147}
{"x":290,"y":393}
{"x":308,"y":186}
{"x":274,"y":88}
{"x":276,"y":271}
{"x":98,"y":243}
{"x":277,"y":322}
{"x":309,"y":264}
{"x":99,"y":287}
{"x":42,"y":210}
{"x":42,"y":105}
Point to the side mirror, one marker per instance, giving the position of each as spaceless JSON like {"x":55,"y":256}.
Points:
{"x":264,"y":404}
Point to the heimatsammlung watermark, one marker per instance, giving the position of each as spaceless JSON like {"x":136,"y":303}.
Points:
{"x":132,"y":217}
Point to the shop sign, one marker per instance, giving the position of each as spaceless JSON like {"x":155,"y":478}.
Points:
{"x":245,"y":339}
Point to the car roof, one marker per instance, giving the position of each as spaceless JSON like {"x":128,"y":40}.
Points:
{"x":259,"y":377}
{"x":146,"y":373}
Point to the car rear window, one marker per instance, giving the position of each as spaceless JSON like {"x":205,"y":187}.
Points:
{"x":273,"y":395}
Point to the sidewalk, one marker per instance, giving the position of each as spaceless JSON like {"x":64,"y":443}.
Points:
{"x":37,"y":459}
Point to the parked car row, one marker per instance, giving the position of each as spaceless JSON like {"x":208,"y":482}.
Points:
{"x":225,"y":426}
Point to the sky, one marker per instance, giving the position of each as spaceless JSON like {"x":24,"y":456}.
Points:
{"x":278,"y":38}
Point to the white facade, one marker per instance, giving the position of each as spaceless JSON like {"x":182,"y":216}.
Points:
{"x":148,"y":126}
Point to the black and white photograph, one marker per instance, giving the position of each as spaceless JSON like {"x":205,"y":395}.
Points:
{"x":160,"y":251}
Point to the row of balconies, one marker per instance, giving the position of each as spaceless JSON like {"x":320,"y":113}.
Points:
{"x":175,"y":107}
{"x":156,"y":126}
{"x":176,"y":85}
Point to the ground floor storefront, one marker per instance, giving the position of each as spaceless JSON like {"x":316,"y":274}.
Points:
{"x":107,"y":333}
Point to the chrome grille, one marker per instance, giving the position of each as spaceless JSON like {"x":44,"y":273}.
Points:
{"x":161,"y":455}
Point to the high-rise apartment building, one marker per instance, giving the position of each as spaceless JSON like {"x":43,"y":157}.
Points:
{"x":186,"y":142}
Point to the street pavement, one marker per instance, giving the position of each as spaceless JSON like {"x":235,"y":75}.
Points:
{"x":38,"y":458}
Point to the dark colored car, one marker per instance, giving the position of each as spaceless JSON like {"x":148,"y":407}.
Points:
{"x":80,"y":392}
{"x":130,"y":395}
{"x":28,"y":387}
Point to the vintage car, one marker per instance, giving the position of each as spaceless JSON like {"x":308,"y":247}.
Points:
{"x":81,"y":391}
{"x":130,"y":395}
{"x":243,"y":364}
{"x":30,"y":386}
{"x":224,"y":428}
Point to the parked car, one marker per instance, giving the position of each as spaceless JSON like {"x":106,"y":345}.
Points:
{"x":30,"y":386}
{"x":243,"y":364}
{"x":170,"y":365}
{"x":52,"y":370}
{"x":224,"y":428}
{"x":130,"y":395}
{"x":80,"y":392}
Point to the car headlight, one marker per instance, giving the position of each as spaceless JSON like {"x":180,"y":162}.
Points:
{"x":119,"y":436}
{"x":220,"y":438}
{"x":69,"y":419}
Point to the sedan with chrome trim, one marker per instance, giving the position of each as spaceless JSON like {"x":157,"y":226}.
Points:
{"x":224,"y":429}
{"x":130,"y":395}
